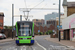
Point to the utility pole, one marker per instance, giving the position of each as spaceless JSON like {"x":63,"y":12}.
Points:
{"x":12,"y":18}
{"x":55,"y":25}
{"x":59,"y":19}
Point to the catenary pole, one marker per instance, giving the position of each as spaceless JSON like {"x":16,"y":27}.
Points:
{"x":12,"y":18}
{"x":59,"y":19}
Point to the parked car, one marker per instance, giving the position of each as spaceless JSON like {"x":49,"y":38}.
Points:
{"x":2,"y":36}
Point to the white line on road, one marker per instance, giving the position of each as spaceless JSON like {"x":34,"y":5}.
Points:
{"x":23,"y":47}
{"x":40,"y":45}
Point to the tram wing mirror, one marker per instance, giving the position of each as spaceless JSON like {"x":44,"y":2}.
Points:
{"x":32,"y":36}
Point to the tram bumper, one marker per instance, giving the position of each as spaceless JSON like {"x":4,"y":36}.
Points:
{"x":24,"y":41}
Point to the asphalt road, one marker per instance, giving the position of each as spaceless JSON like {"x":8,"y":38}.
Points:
{"x":13,"y":46}
{"x":41,"y":40}
{"x":40,"y":44}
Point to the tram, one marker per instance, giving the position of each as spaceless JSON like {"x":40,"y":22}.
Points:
{"x":24,"y":32}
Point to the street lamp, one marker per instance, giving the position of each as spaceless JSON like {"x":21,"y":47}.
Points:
{"x":59,"y":17}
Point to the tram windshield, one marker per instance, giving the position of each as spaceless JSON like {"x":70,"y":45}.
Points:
{"x":24,"y":29}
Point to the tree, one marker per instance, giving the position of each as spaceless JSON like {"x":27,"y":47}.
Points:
{"x":5,"y":27}
{"x":50,"y":31}
{"x":10,"y":27}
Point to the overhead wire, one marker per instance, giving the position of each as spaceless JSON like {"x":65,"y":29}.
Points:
{"x":37,"y":5}
{"x":26,"y":10}
{"x":31,"y":8}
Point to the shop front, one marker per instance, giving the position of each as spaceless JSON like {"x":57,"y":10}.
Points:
{"x":68,"y":25}
{"x":72,"y":29}
{"x":74,"y":33}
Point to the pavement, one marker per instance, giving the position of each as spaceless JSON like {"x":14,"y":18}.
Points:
{"x":6,"y":40}
{"x":67,"y":43}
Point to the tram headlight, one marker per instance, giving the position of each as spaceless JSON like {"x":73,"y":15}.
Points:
{"x":17,"y":38}
{"x":32,"y":38}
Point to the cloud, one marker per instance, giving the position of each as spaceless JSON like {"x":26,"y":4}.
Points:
{"x":6,"y":7}
{"x":71,"y":0}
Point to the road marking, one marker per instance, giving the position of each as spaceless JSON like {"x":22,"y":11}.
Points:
{"x":40,"y":45}
{"x":23,"y":48}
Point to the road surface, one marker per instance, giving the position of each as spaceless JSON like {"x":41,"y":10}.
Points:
{"x":41,"y":40}
{"x":40,"y":44}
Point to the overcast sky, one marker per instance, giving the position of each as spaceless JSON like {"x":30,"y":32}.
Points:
{"x":6,"y":7}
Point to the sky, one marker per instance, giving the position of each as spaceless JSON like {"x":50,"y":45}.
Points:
{"x":6,"y":8}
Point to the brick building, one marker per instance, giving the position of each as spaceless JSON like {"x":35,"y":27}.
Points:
{"x":38,"y":21}
{"x":1,"y":20}
{"x":53,"y":22}
{"x":70,"y":8}
{"x":43,"y":28}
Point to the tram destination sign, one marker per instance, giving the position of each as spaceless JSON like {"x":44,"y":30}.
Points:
{"x":24,"y":25}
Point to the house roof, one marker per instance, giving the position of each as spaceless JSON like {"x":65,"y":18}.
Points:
{"x":71,"y":4}
{"x":68,"y":4}
{"x":64,"y":2}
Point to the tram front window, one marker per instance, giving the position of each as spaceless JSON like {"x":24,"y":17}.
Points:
{"x":24,"y":30}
